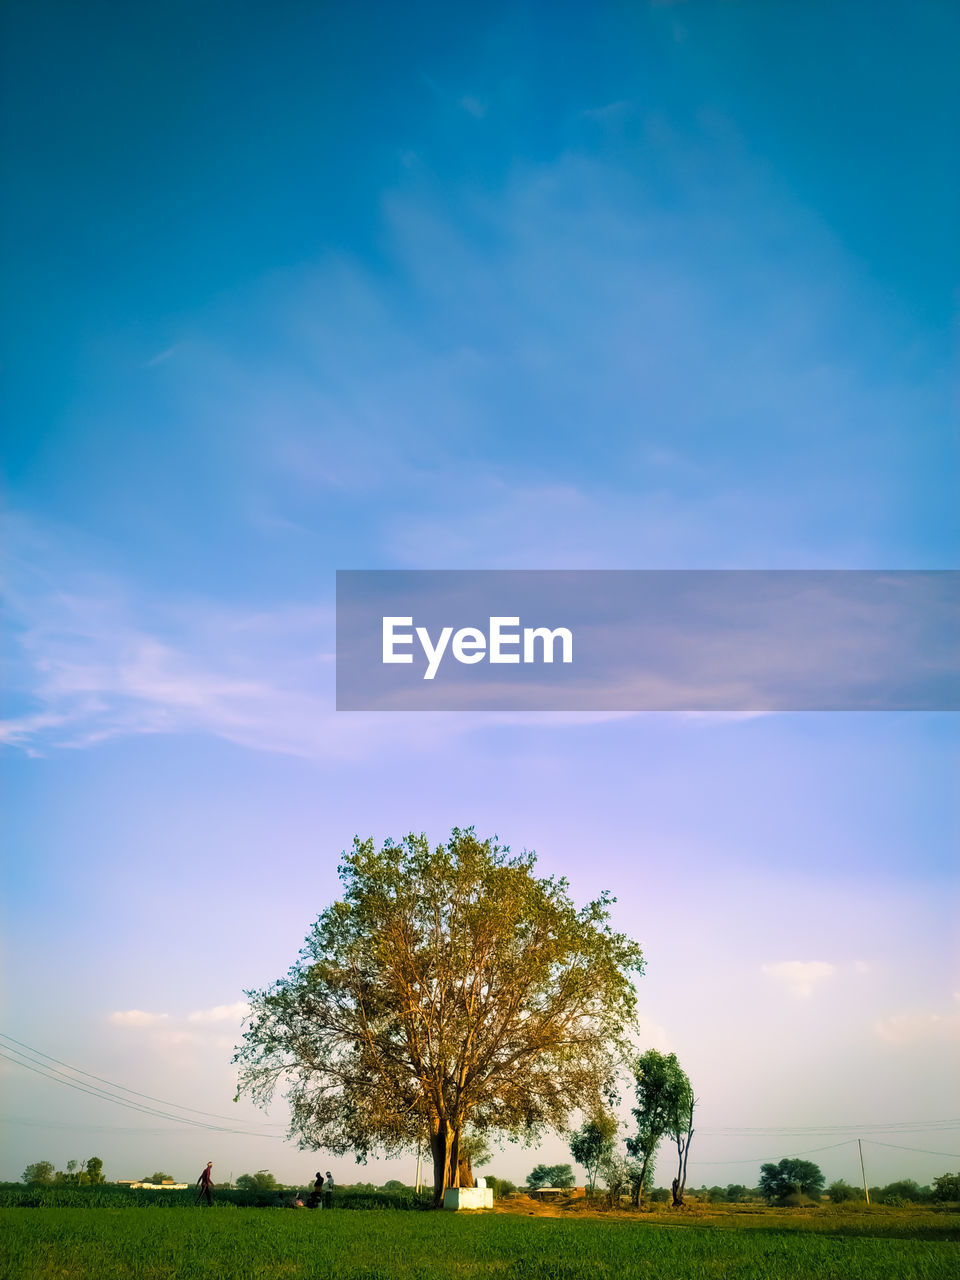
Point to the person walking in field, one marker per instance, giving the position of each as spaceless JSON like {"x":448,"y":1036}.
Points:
{"x":328,"y":1191}
{"x":205,"y":1184}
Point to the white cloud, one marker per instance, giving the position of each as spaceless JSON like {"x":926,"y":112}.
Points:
{"x":800,"y":977}
{"x":136,"y":1018}
{"x":221,"y":1013}
{"x":921,"y":1027}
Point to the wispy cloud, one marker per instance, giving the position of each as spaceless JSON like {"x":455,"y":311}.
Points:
{"x":800,"y":977}
{"x":137,"y":1018}
{"x":921,"y":1027}
{"x":235,"y":1012}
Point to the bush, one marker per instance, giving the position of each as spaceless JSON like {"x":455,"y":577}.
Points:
{"x":840,"y":1192}
{"x":501,"y":1186}
{"x":946,"y":1188}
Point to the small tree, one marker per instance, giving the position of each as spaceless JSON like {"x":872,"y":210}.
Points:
{"x":664,"y":1105}
{"x":39,"y":1173}
{"x":592,"y":1143}
{"x":551,"y":1175}
{"x":615,"y":1172}
{"x":157,"y":1177}
{"x":791,"y":1177}
{"x":260,"y":1181}
{"x":946,"y":1188}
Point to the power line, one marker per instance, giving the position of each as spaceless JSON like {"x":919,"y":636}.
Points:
{"x":894,"y":1127}
{"x":753,"y":1159}
{"x":952,"y":1155}
{"x":94,"y":1092}
{"x":122,"y":1087}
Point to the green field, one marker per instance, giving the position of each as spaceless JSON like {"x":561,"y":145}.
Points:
{"x":244,"y":1244}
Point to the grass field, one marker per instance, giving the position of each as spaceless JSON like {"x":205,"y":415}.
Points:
{"x":244,"y":1244}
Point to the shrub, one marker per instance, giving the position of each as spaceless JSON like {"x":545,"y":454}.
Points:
{"x":946,"y":1188}
{"x":840,"y":1192}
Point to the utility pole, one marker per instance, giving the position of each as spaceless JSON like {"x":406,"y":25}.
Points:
{"x":866,"y":1189}
{"x":419,"y":1167}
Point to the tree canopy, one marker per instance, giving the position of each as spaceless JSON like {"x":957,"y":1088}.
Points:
{"x":550,"y":1175}
{"x":791,"y":1176}
{"x":593,"y":1143}
{"x":41,"y":1171}
{"x":262,"y":1181}
{"x":664,"y":1101}
{"x":448,"y":986}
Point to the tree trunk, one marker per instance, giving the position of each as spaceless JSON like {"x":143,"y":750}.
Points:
{"x":445,"y":1149}
{"x":465,"y":1176}
{"x":683,"y":1151}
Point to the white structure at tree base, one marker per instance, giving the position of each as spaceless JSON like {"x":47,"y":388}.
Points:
{"x":478,"y":1197}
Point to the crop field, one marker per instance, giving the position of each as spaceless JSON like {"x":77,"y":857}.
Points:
{"x":227,"y":1243}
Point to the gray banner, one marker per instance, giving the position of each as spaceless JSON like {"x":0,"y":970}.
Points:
{"x":647,"y":640}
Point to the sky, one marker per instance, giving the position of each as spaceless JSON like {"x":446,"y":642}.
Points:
{"x":298,"y":288}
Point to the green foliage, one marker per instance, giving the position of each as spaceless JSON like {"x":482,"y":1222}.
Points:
{"x":39,"y":1173}
{"x":551,"y":1175}
{"x":394,"y":1185}
{"x":501,"y":1187}
{"x":904,"y":1192}
{"x":262,"y":1181}
{"x":946,"y":1188}
{"x":791,"y":1180}
{"x":664,"y":1101}
{"x":841,"y":1192}
{"x":95,"y":1171}
{"x":391,"y":1024}
{"x":158,"y":1177}
{"x":593,"y":1143}
{"x":616,"y":1176}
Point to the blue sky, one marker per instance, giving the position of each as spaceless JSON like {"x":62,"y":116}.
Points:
{"x":301,"y":288}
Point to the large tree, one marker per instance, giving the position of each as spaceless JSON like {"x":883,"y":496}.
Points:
{"x":664,"y":1099}
{"x":448,"y":987}
{"x":791,"y":1177}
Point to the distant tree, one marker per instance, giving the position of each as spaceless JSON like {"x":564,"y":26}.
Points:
{"x":664,"y":1103}
{"x":791,"y":1177}
{"x":95,"y":1171}
{"x":551,"y":1175}
{"x":592,"y":1143}
{"x":906,"y":1191}
{"x":681,"y":1131}
{"x":946,"y":1188}
{"x":157,"y":1177}
{"x":615,"y":1172}
{"x":449,"y":987}
{"x":737,"y":1193}
{"x":394,"y":1185}
{"x":41,"y":1172}
{"x":840,"y":1192}
{"x":500,"y":1186}
{"x":262,"y":1181}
